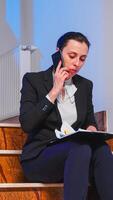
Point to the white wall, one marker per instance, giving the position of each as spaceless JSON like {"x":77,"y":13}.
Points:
{"x":53,"y":19}
{"x":42,"y":22}
{"x":107,"y":59}
{"x":94,"y":19}
{"x":16,"y":28}
{"x":7,"y":37}
{"x":27,"y":24}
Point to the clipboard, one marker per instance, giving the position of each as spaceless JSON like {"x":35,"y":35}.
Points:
{"x":86,"y":134}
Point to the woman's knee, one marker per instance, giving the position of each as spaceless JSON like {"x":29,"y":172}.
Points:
{"x":103,"y":149}
{"x":82,"y":151}
{"x":103,"y":152}
{"x":86,"y":151}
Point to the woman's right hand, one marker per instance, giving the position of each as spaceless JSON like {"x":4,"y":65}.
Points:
{"x":59,"y":77}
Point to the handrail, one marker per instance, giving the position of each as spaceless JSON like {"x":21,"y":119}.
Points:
{"x":8,"y":51}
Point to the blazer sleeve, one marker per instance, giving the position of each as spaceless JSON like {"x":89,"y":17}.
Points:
{"x":90,"y":118}
{"x":32,"y":111}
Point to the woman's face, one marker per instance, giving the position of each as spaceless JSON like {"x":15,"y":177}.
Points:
{"x":74,"y":55}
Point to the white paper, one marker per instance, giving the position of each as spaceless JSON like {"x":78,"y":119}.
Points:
{"x":66,"y":130}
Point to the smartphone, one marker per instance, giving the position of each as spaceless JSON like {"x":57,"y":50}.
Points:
{"x":56,"y":57}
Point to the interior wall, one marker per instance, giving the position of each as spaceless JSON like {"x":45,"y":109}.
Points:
{"x":51,"y":21}
{"x":27,"y":25}
{"x":107,"y":59}
{"x":94,"y":19}
{"x":43,"y":22}
{"x":7,"y":36}
{"x":16,"y":28}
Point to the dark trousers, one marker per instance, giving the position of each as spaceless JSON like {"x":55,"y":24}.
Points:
{"x":73,"y":162}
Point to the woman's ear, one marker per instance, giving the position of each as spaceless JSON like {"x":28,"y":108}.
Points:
{"x":57,"y":49}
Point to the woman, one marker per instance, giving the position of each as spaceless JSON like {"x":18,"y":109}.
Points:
{"x":48,"y":99}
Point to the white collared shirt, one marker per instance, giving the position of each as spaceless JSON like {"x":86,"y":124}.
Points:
{"x":66,"y":105}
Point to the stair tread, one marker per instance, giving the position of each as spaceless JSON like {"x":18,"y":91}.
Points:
{"x":13,"y":152}
{"x":30,"y":185}
{"x":10,"y":122}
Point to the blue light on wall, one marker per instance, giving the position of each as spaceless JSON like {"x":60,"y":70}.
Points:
{"x":53,"y":18}
{"x":50,"y":22}
{"x":13,"y":16}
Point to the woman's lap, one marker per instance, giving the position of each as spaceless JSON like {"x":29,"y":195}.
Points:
{"x":49,"y":165}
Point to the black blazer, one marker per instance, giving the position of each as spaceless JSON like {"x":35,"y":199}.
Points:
{"x":39,"y":117}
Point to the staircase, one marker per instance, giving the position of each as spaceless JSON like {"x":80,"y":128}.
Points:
{"x":13,"y":184}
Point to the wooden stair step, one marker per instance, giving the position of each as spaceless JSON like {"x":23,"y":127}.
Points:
{"x":37,"y":191}
{"x":12,"y":181}
{"x":31,"y":191}
{"x":32,"y":194}
{"x":10,"y":167}
{"x":12,"y":120}
{"x":12,"y":138}
{"x":10,"y":152}
{"x":31,"y":185}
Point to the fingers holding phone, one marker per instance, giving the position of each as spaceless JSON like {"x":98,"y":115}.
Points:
{"x":60,"y":75}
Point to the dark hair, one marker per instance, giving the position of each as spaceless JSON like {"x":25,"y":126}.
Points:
{"x":63,"y":40}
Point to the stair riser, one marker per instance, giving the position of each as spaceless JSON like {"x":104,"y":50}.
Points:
{"x":39,"y":194}
{"x":12,"y":138}
{"x":10,"y":169}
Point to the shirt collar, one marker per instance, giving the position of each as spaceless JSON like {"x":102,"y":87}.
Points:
{"x":70,"y":89}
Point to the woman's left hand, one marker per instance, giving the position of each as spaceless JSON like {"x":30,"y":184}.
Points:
{"x":91,"y":128}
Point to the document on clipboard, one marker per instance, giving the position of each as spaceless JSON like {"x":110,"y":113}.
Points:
{"x":68,"y":131}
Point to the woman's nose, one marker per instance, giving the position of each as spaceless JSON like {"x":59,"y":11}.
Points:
{"x":77,"y":62}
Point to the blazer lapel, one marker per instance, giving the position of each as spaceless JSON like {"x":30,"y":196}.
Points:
{"x":76,"y":81}
{"x":48,"y":79}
